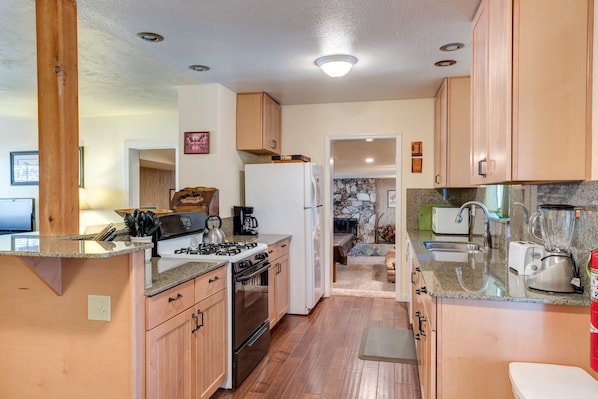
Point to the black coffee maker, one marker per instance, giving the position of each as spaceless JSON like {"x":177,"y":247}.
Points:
{"x":244,"y":223}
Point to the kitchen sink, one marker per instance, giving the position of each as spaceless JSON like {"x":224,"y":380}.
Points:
{"x":453,"y":246}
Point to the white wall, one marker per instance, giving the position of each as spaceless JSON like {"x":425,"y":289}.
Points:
{"x":103,"y":139}
{"x":306,"y":129}
{"x":212,"y":108}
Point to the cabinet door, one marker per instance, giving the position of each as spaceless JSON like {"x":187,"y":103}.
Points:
{"x":209,"y":345}
{"x":168,"y":358}
{"x":282,"y":287}
{"x":272,"y":288}
{"x":440,"y":135}
{"x":499,"y":96}
{"x":479,"y":93}
{"x":272,"y":125}
{"x":459,"y":131}
{"x":551,"y":95}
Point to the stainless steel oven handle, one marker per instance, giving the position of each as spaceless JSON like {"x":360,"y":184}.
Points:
{"x":258,"y":334}
{"x":242,"y":278}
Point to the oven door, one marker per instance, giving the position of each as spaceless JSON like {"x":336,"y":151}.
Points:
{"x":250,"y":302}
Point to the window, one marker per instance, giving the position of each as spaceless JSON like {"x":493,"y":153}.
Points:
{"x":497,"y":200}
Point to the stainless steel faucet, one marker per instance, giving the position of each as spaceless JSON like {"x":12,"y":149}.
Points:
{"x":486,"y":237}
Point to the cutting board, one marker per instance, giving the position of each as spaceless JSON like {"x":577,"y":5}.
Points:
{"x":424,"y":215}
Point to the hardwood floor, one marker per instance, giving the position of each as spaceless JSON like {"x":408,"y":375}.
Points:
{"x":315,"y":356}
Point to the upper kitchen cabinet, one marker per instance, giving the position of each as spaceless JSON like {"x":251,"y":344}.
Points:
{"x":451,"y":133}
{"x":531,"y":91}
{"x":258,"y":124}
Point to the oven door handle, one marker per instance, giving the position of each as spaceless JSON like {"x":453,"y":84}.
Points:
{"x":242,"y":278}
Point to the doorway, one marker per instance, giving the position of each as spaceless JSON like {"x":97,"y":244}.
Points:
{"x":151,"y":173}
{"x":363,"y":188}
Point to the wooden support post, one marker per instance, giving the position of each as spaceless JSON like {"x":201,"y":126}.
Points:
{"x":58,"y":117}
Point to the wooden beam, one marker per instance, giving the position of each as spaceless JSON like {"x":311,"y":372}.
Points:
{"x":58,"y":117}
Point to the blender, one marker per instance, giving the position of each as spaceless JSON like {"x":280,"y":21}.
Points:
{"x":557,"y":271}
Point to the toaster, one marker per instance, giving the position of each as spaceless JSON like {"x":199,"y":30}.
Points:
{"x":525,"y":257}
{"x":443,"y":221}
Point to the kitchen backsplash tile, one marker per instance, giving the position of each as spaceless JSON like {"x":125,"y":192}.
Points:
{"x":580,"y":194}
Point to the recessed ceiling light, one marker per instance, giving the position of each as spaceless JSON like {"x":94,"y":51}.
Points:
{"x":150,"y":37}
{"x":369,"y":140}
{"x":452,"y":47}
{"x":369,"y":160}
{"x":199,"y":68}
{"x":445,"y":63}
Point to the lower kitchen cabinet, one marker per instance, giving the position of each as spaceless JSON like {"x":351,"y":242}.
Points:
{"x":423,"y":319}
{"x":186,"y":339}
{"x":278,"y":281}
{"x":464,"y":346}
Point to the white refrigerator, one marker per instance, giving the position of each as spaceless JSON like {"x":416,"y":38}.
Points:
{"x":287,"y":199}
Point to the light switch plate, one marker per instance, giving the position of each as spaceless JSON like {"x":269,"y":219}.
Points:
{"x":98,"y":307}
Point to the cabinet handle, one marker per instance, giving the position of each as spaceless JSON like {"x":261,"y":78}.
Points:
{"x":437,"y":179}
{"x":283,"y":245}
{"x":422,"y":290}
{"x":213,"y":280}
{"x":412,"y":277}
{"x":418,"y":269}
{"x":178,"y":296}
{"x":196,"y":319}
{"x":274,"y":144}
{"x":482,"y":167}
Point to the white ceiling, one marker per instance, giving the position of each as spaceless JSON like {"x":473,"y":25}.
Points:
{"x":349,"y":157}
{"x":250,"y":45}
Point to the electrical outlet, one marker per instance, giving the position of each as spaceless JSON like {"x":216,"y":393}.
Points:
{"x":98,"y":307}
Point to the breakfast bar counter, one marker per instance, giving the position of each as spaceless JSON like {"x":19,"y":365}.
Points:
{"x":55,"y":337}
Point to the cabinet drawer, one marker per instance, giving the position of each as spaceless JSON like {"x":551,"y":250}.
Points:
{"x":168,"y":304}
{"x":275,"y":251}
{"x":210,"y":283}
{"x":282,"y":248}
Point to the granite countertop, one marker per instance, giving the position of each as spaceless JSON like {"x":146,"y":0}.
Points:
{"x":481,"y":276}
{"x":32,"y":244}
{"x":164,"y":273}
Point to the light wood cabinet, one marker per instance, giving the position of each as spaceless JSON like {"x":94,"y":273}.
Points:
{"x":278,"y":282}
{"x":423,"y":319}
{"x":452,"y":133}
{"x":531,"y":104}
{"x":259,"y":122}
{"x":464,"y":346}
{"x":186,"y":338}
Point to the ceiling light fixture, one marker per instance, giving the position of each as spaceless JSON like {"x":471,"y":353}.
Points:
{"x":369,"y":160}
{"x":369,"y":140}
{"x":336,"y":65}
{"x":199,"y":68}
{"x":445,"y":63}
{"x":452,"y":47}
{"x":150,"y":37}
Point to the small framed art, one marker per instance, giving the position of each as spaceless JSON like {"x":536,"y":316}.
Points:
{"x":197,"y":142}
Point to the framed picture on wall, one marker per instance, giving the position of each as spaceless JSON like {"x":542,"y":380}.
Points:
{"x":24,"y":168}
{"x":197,"y":142}
{"x":392,"y":198}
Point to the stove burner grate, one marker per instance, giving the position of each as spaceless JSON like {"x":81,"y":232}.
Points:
{"x":223,"y":249}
